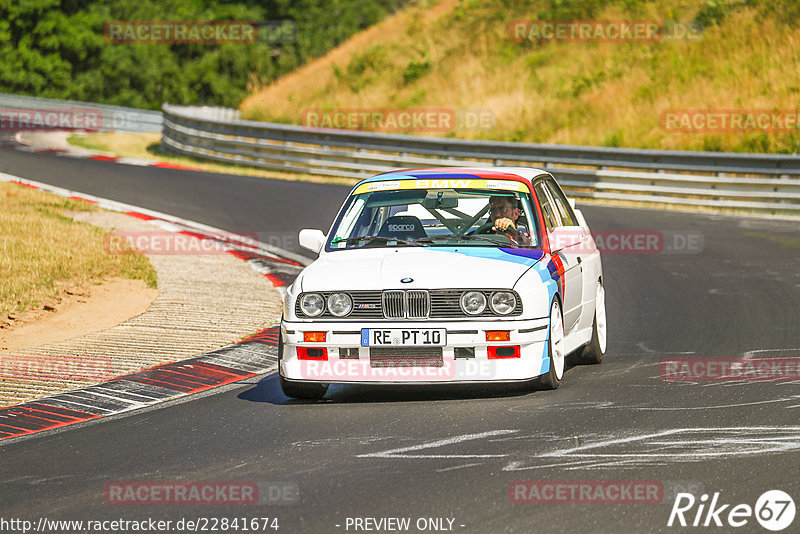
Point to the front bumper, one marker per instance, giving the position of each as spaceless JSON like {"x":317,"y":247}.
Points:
{"x":346,"y":361}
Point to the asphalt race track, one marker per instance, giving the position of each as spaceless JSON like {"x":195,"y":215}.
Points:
{"x":455,"y":452}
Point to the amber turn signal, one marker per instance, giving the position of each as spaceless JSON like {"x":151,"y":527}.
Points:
{"x":314,"y":337}
{"x":498,"y":335}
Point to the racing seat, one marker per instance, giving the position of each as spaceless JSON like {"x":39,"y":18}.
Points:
{"x":402,"y":227}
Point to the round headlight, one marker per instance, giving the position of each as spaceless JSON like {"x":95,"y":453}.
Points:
{"x":340,"y":304}
{"x":502,"y":302}
{"x":473,"y":302}
{"x":312,"y":304}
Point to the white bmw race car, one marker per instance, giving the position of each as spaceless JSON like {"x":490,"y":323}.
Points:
{"x":445,"y":275}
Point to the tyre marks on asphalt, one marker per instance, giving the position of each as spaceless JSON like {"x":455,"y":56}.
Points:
{"x":406,"y":452}
{"x":673,"y":446}
{"x":255,"y":355}
{"x":611,"y":451}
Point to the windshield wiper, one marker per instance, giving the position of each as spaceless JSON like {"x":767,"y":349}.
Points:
{"x":370,"y":238}
{"x":496,"y":241}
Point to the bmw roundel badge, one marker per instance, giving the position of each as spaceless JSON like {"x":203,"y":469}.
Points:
{"x":406,"y":280}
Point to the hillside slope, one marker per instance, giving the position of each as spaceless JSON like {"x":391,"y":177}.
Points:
{"x":741,"y":55}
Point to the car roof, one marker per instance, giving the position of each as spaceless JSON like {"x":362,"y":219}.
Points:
{"x":521,"y":174}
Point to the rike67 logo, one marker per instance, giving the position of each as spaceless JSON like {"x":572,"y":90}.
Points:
{"x":774,"y":510}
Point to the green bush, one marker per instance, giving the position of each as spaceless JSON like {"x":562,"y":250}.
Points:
{"x":416,"y":69}
{"x":56,"y":48}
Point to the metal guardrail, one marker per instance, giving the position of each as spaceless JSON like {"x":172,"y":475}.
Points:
{"x":756,"y":182}
{"x":759,"y":182}
{"x":20,"y":111}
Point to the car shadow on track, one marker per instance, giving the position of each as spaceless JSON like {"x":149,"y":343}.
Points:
{"x":268,"y":390}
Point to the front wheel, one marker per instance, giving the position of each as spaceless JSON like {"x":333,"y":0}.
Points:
{"x":555,"y":349}
{"x":303,"y":390}
{"x":594,"y":351}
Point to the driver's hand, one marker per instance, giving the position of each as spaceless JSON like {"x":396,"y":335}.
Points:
{"x":503,"y":223}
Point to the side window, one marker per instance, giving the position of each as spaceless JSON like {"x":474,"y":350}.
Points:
{"x":548,"y":210}
{"x":352,"y":223}
{"x":562,"y":204}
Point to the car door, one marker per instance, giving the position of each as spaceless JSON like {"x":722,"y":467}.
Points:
{"x":583,"y":250}
{"x":563,"y":239}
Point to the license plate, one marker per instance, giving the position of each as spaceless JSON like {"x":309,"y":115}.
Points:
{"x":403,"y":337}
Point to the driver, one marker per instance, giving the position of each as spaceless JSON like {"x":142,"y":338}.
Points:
{"x":503,"y":215}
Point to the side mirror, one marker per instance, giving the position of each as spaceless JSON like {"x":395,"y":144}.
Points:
{"x":581,"y":220}
{"x":312,"y":239}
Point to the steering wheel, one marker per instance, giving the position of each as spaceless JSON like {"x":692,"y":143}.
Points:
{"x":510,"y":232}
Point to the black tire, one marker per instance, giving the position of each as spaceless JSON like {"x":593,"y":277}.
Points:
{"x":550,"y":379}
{"x":303,"y":390}
{"x":592,"y":354}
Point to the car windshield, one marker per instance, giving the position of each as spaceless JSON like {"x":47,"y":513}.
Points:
{"x":406,"y":213}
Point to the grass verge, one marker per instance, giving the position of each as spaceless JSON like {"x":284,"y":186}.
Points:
{"x":42,"y":251}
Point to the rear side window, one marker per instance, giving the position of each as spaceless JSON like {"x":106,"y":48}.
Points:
{"x":561,"y":204}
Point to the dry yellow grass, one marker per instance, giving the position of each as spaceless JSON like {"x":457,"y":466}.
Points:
{"x":43,"y":251}
{"x":132,"y":145}
{"x":586,"y":93}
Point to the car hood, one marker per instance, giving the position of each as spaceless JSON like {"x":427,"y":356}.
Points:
{"x":429,"y":268}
